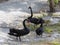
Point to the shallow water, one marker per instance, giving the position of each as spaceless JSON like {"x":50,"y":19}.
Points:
{"x":12,"y":10}
{"x":29,"y":39}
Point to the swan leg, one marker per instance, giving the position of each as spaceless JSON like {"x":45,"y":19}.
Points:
{"x":19,"y":39}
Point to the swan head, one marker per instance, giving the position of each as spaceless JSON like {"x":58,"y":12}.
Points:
{"x":29,"y":7}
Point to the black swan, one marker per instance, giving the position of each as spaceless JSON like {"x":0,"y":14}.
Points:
{"x":40,"y":30}
{"x":21,"y":32}
{"x":34,"y":20}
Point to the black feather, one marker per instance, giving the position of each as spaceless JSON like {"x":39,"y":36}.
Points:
{"x":35,"y":20}
{"x":19,"y":32}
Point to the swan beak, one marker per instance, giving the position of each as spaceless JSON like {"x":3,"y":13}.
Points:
{"x":29,"y":7}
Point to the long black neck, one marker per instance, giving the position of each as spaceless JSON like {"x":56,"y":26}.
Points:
{"x":31,"y":12}
{"x":24,"y":23}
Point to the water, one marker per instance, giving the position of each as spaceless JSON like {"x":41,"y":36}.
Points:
{"x":9,"y":12}
{"x":27,"y":39}
{"x":53,"y":20}
{"x":18,"y":10}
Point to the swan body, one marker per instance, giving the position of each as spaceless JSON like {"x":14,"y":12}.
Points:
{"x":40,"y":30}
{"x":34,"y":20}
{"x":19,"y":32}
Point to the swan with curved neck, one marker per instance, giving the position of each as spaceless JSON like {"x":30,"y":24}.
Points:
{"x":31,"y":19}
{"x":35,"y":20}
{"x":39,"y":31}
{"x":19,"y":32}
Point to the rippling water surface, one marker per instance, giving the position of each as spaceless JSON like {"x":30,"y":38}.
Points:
{"x":28,"y":39}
